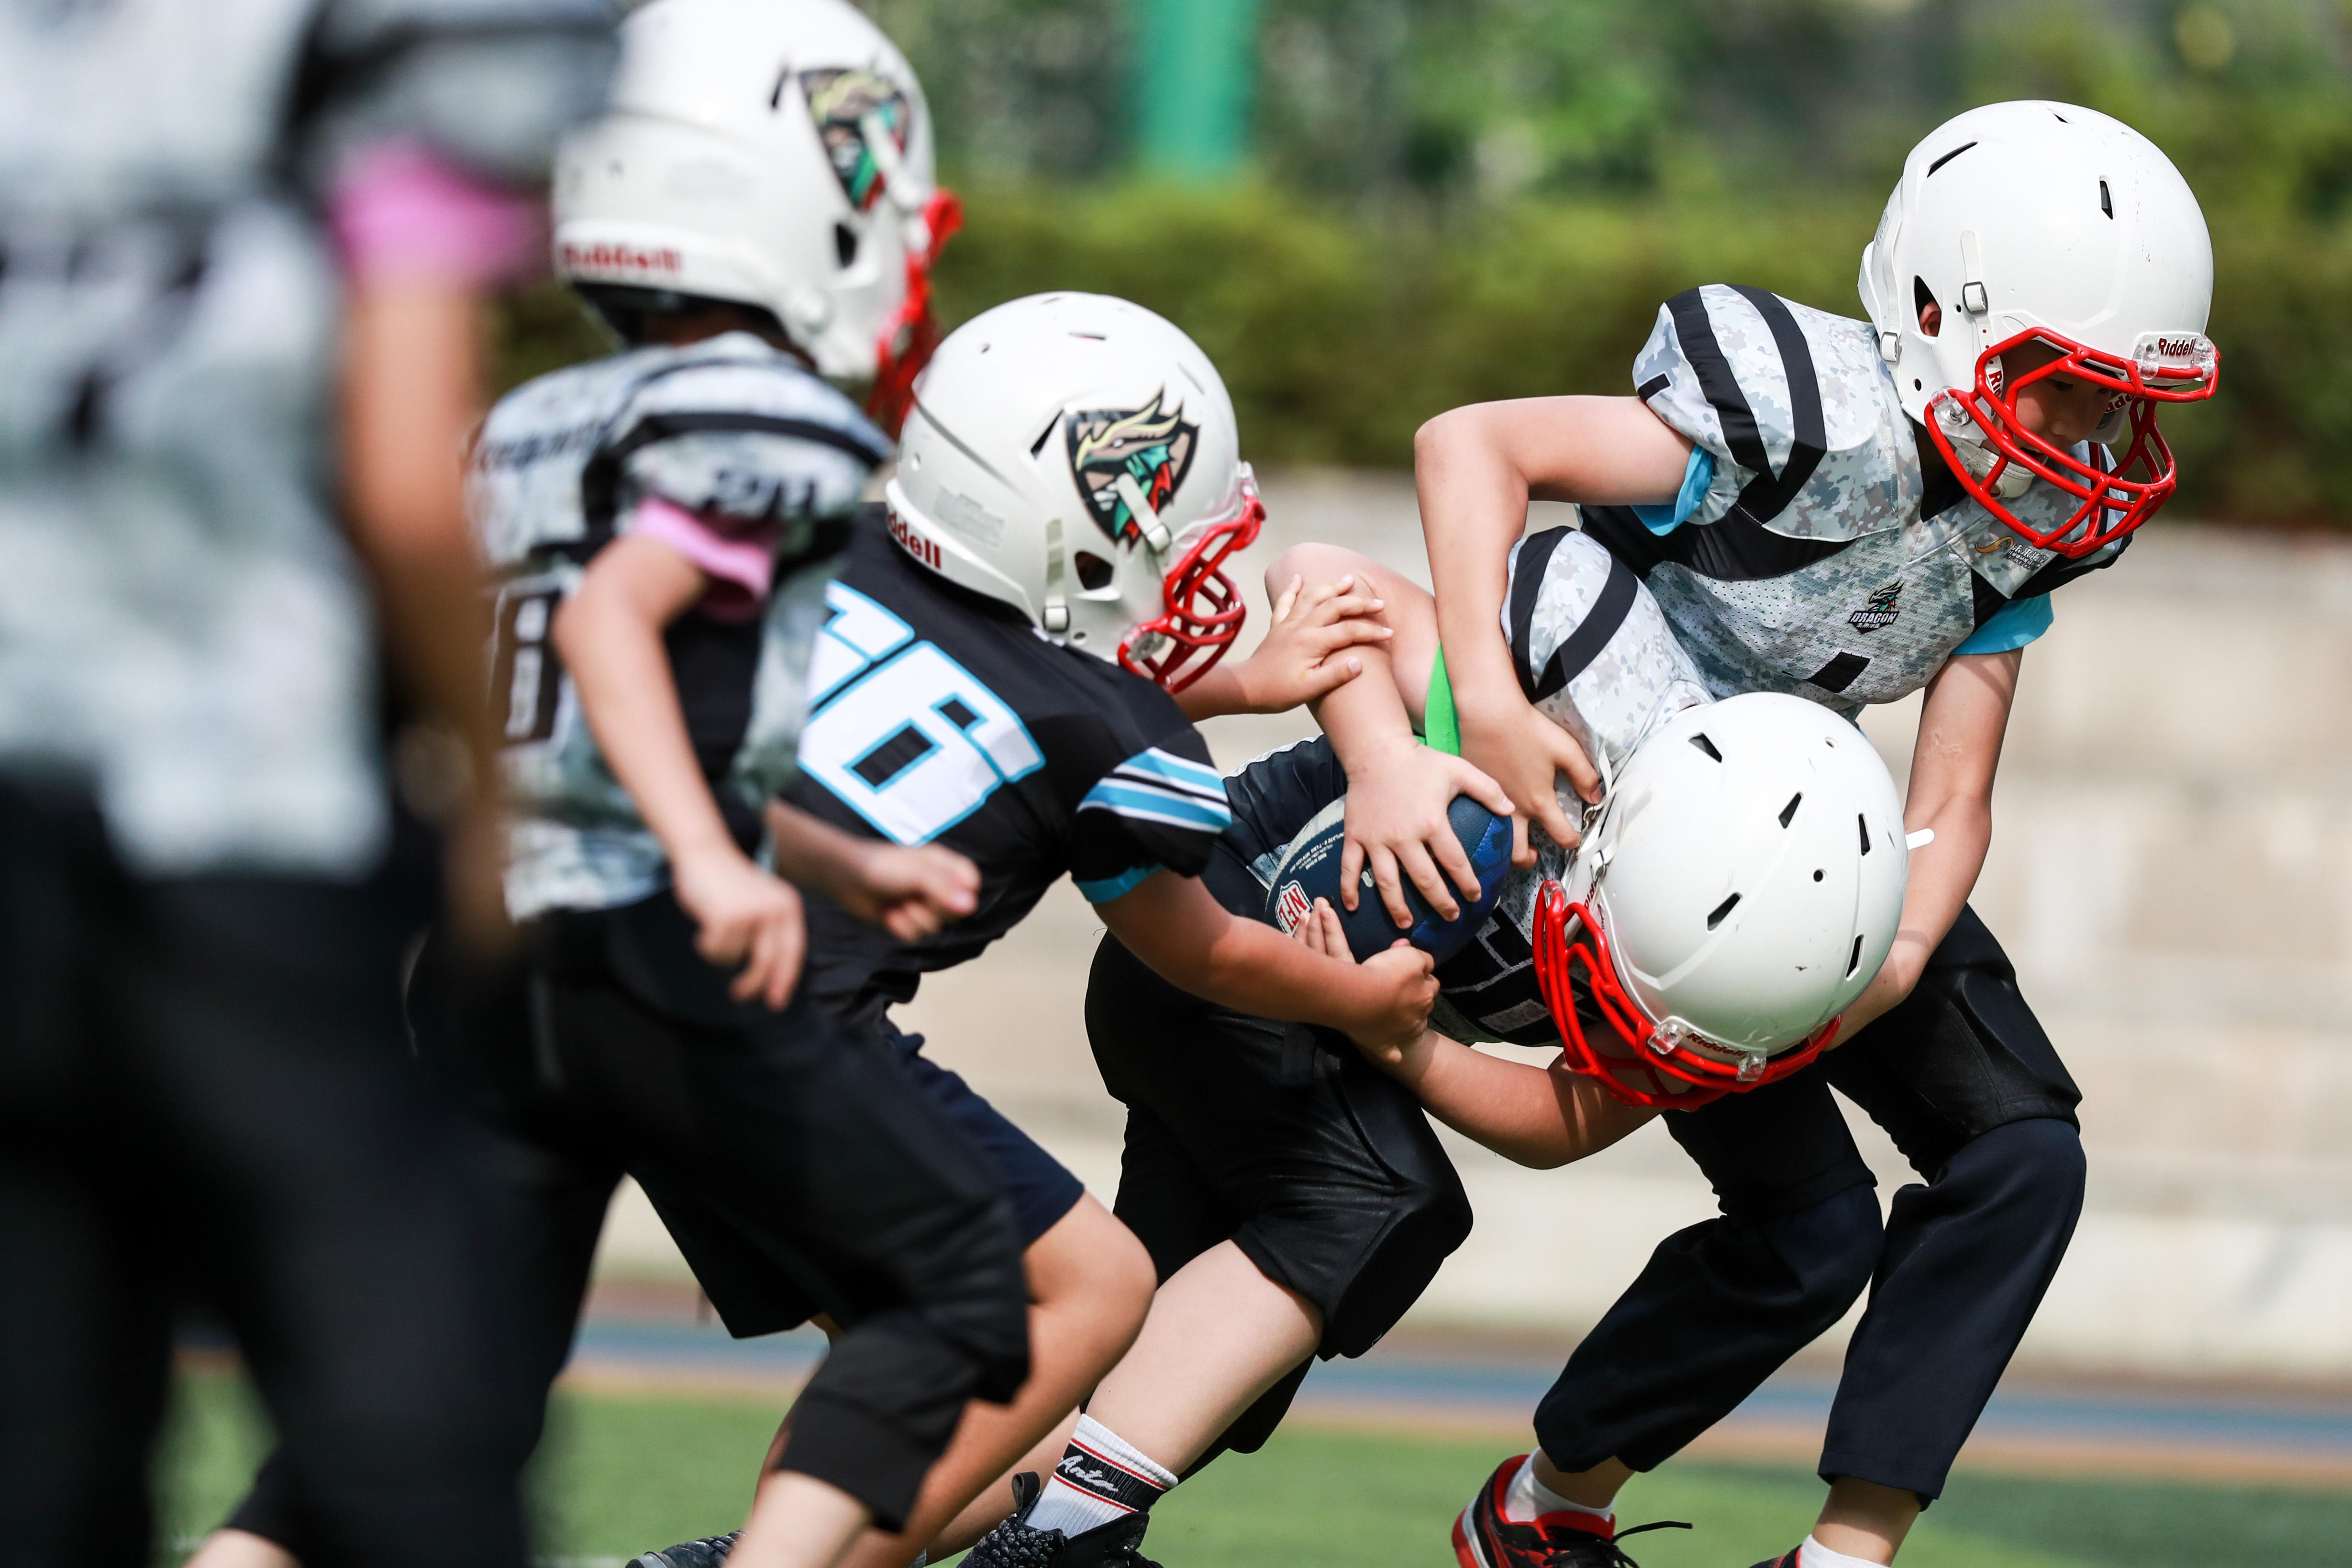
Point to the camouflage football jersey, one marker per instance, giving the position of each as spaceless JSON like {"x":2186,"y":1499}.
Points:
{"x":180,"y":623}
{"x":1593,"y":653}
{"x":736,"y":433}
{"x":1819,"y":559}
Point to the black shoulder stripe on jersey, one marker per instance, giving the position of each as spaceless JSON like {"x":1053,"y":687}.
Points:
{"x":1527,"y":587}
{"x":1766,"y":496}
{"x":1583,"y":645}
{"x":600,"y":479}
{"x":1737,"y":550}
{"x":1696,"y":334}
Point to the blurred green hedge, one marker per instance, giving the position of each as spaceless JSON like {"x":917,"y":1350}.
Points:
{"x":1340,"y":332}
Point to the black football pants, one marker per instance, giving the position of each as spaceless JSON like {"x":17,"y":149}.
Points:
{"x":206,"y":1094}
{"x":796,"y":1166}
{"x":1964,"y":1081}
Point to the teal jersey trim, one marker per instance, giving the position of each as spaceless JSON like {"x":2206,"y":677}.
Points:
{"x":2010,"y":627}
{"x":1109,"y":887}
{"x":1697,"y":475}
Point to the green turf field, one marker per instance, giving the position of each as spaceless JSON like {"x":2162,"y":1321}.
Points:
{"x":624,"y":1473}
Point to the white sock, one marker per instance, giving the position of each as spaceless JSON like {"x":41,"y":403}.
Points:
{"x":1529,"y":1498}
{"x":1813,"y":1554}
{"x":1102,"y":1477}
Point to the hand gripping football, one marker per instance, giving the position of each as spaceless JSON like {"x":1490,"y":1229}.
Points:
{"x":1309,"y":869}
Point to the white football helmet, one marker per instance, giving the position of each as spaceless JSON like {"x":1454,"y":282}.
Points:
{"x":1075,"y":456}
{"x":774,"y":153}
{"x":2045,"y":222}
{"x":1740,"y":885}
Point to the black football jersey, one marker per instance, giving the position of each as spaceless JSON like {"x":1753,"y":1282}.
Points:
{"x":939,"y":716}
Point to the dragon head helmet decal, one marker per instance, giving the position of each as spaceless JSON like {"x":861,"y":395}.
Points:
{"x":1149,"y":448}
{"x":849,"y":107}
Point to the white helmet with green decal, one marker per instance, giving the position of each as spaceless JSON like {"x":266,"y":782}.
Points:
{"x":773,"y":153}
{"x":1076,"y":457}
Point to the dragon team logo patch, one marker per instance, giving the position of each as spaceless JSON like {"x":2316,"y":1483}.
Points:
{"x":844,"y":103}
{"x":1880,"y":611}
{"x":1149,"y":446}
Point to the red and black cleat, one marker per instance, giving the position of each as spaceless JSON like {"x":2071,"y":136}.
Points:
{"x":1483,"y":1537}
{"x":1788,"y":1559}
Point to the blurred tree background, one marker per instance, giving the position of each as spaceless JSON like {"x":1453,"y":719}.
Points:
{"x":1439,"y":201}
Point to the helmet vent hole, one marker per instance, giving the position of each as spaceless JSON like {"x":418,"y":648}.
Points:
{"x":1863,"y":829}
{"x":1721,"y":910}
{"x":783,"y":75}
{"x":1039,"y":444}
{"x":1789,"y":812}
{"x":1704,"y":745}
{"x":1094,"y":572}
{"x":845,"y":244}
{"x":1856,"y":962}
{"x":2107,"y":202}
{"x":1922,"y":297}
{"x":1949,"y":156}
{"x":1817,"y":875}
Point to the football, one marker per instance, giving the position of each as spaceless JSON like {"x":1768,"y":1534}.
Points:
{"x":1309,"y":869}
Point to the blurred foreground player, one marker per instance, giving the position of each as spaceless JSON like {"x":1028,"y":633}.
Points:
{"x":203,"y":1090}
{"x":663,"y":522}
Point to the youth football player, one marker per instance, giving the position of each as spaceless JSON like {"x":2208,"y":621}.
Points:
{"x":993,"y":679}
{"x":246,"y":244}
{"x":663,"y":522}
{"x":1851,"y":512}
{"x":1294,"y":1199}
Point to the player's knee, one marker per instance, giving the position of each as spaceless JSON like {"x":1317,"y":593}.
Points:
{"x":1091,"y":1269}
{"x":1831,"y":1247}
{"x":2034,"y":1167}
{"x":1312,"y":565}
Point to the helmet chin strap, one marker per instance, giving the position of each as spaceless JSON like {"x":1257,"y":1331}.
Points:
{"x":1156,"y":537}
{"x":2014,"y":480}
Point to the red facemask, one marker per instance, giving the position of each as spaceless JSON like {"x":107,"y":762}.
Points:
{"x":1568,"y":937}
{"x":912,"y":331}
{"x":2114,"y":500}
{"x":1203,"y":611}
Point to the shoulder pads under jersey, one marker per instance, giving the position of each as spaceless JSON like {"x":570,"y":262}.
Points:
{"x":1795,"y":407}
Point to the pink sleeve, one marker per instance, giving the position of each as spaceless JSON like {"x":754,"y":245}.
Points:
{"x":741,"y":564}
{"x":402,"y":216}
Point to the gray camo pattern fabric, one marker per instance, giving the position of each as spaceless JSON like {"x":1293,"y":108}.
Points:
{"x":1899,"y":595}
{"x":577,"y":841}
{"x":1640,"y":677}
{"x":182,"y":625}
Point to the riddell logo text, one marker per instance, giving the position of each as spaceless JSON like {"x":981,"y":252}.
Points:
{"x":618,"y":259}
{"x":2176,"y":348}
{"x":915,"y":544}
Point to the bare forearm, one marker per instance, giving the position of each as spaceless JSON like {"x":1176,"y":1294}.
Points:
{"x":1530,"y":1115}
{"x":1253,"y":968}
{"x":1473,"y":507}
{"x":410,"y":395}
{"x":813,"y":853}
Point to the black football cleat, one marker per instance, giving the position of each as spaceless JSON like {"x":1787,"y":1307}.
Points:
{"x":1012,"y":1544}
{"x":710,"y":1551}
{"x":1788,"y":1559}
{"x":1483,"y":1537}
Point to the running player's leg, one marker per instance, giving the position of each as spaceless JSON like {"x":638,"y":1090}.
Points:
{"x":835,"y":1185}
{"x":1090,"y":1283}
{"x":1722,"y":1304}
{"x":333,"y":1208}
{"x":1294,"y":1201}
{"x":1969,"y":1085}
{"x":84,"y":1316}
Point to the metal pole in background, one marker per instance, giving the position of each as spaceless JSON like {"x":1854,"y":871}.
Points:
{"x":1196,"y":61}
